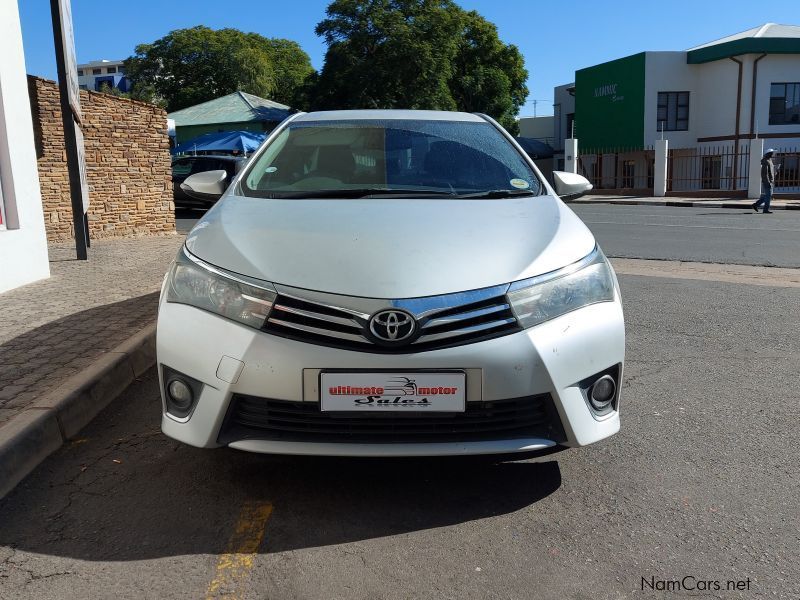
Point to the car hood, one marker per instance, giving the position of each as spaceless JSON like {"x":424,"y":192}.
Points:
{"x":390,"y":248}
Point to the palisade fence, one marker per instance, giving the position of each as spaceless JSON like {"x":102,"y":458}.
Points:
{"x":618,"y":168}
{"x":713,"y":168}
{"x":720,"y":169}
{"x":787,"y":167}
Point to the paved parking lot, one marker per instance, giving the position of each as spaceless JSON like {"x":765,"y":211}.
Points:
{"x":702,"y":482}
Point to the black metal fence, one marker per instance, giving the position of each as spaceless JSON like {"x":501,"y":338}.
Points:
{"x":618,"y":168}
{"x":708,"y":168}
{"x":721,"y":169}
{"x":787,"y":170}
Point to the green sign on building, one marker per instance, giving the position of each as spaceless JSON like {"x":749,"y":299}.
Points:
{"x":609,"y":104}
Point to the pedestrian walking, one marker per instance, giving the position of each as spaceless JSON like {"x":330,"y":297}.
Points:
{"x":767,"y":182}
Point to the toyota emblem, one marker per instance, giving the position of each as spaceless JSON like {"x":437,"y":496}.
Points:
{"x":392,"y":325}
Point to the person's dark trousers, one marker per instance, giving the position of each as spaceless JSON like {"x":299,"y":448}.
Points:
{"x":765,"y":198}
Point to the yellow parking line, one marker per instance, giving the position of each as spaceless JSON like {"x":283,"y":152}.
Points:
{"x":235,"y":565}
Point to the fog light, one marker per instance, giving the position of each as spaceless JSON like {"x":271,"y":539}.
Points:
{"x":180,"y":394}
{"x":602,"y":392}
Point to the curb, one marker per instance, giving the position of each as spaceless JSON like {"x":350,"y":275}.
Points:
{"x":701,"y":204}
{"x":41,"y":429}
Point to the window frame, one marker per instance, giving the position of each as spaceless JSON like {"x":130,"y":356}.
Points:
{"x":676,"y":123}
{"x":772,"y":116}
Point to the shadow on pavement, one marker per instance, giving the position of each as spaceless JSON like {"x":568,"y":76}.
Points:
{"x":37,"y":360}
{"x":123,"y":491}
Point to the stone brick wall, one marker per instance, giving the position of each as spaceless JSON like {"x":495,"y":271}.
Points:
{"x":127,"y":163}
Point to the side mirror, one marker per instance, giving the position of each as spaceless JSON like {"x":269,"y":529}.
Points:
{"x":569,"y":186}
{"x":208,"y":185}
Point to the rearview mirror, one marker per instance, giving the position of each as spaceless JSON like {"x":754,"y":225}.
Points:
{"x":208,"y":185}
{"x":570,"y":186}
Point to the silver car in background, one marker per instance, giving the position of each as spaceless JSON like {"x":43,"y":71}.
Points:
{"x":390,"y":283}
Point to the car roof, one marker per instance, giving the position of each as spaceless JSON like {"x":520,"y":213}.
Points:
{"x":407,"y":115}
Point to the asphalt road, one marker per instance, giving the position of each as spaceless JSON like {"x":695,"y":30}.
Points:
{"x":716,"y":235}
{"x":703,"y":481}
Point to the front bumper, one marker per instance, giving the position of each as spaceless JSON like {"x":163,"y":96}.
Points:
{"x":232,"y":359}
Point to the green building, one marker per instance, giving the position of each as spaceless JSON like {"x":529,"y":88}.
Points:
{"x":238,"y":111}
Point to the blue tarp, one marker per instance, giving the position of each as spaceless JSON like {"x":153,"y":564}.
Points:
{"x":243,"y":141}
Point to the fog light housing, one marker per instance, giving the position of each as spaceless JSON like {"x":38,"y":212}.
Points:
{"x":602,"y":392}
{"x":181,"y":393}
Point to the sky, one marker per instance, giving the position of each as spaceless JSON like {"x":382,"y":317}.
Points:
{"x":556,"y":38}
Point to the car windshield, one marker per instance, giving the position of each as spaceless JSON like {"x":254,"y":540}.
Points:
{"x":375,"y":158}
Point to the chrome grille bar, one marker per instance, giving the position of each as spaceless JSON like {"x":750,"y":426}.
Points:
{"x":471,"y":314}
{"x":473,"y":329}
{"x":320,"y":331}
{"x":316,"y":315}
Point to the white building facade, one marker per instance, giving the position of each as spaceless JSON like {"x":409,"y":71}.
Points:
{"x":709,"y":103}
{"x":97,"y":74}
{"x":23,"y":242}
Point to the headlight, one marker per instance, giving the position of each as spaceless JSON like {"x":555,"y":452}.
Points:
{"x":191,"y":282}
{"x":549,"y":296}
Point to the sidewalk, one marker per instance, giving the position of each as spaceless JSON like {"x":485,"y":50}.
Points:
{"x":60,"y":336}
{"x":735,"y":203}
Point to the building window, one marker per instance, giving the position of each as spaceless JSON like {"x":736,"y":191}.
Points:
{"x":110,"y":70}
{"x":673,"y":111}
{"x":80,"y":72}
{"x":97,"y":71}
{"x":83,"y":86}
{"x":784,"y":103}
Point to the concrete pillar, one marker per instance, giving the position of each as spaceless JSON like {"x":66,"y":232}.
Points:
{"x":660,"y":169}
{"x":571,"y":155}
{"x":23,"y":246}
{"x":754,"y":174}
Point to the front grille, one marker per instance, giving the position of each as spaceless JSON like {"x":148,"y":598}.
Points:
{"x":250,"y":417}
{"x":448,"y":325}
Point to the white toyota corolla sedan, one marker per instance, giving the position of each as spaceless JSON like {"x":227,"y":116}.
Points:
{"x":390,"y":283}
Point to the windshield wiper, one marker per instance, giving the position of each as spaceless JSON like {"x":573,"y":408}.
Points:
{"x":496,"y":194}
{"x":359,"y":193}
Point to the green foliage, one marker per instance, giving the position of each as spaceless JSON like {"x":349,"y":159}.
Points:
{"x":190,"y":66}
{"x":427,"y":54}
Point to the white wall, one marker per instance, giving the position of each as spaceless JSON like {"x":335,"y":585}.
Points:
{"x":713,"y":90}
{"x":668,"y":72}
{"x":23,"y":244}
{"x":775,"y":68}
{"x":563,"y":104}
{"x":540,"y":128}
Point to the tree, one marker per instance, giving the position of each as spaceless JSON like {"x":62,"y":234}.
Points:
{"x":189,"y":66}
{"x":488,"y":76}
{"x":417,"y":54}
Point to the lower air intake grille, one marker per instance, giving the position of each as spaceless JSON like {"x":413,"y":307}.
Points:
{"x":250,"y":417}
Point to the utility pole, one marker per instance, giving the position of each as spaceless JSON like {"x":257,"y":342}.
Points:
{"x":70,"y":117}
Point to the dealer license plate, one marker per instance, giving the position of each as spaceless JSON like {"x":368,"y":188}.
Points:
{"x":443,"y":391}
